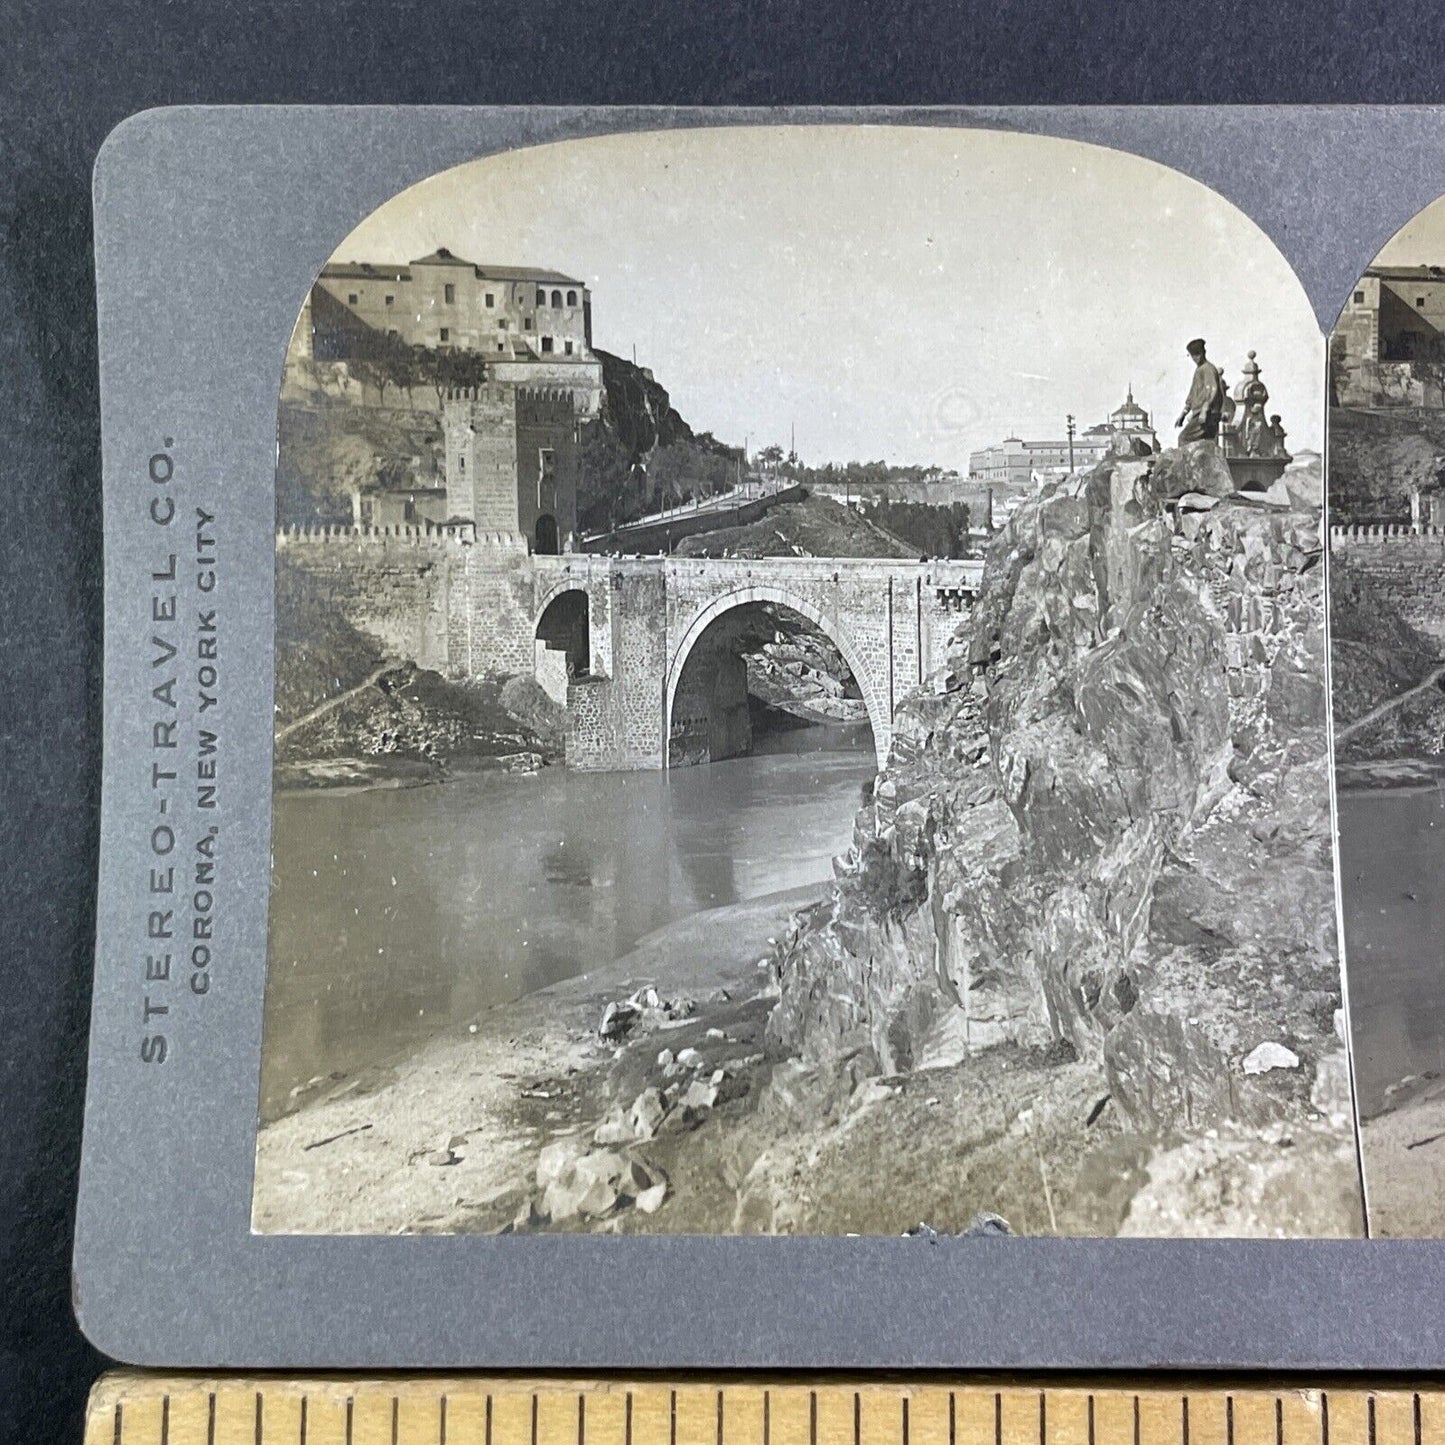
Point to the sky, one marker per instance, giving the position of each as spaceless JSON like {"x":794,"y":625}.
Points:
{"x":907,"y":294}
{"x":1419,"y":242}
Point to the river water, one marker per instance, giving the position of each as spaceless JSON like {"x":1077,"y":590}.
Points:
{"x":398,"y":913}
{"x":1392,"y":866}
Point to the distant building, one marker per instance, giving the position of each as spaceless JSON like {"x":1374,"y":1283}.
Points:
{"x":1015,"y":462}
{"x":1390,"y":331}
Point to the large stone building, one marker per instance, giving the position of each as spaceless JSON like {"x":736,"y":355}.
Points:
{"x":510,"y":442}
{"x":1390,"y":331}
{"x":443,"y":301}
{"x":1015,"y":462}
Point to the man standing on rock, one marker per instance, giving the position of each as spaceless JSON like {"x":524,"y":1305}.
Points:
{"x":1205,"y":402}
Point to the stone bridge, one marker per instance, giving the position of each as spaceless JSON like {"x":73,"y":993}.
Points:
{"x":647,"y":618}
{"x":614,"y":636}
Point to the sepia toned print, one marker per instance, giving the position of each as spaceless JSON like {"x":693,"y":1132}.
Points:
{"x":1387,"y":608}
{"x":776,"y":731}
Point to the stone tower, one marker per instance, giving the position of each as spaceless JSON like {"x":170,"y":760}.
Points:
{"x":512,"y":461}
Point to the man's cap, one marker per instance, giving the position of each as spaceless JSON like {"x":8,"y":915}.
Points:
{"x":1196,"y":345}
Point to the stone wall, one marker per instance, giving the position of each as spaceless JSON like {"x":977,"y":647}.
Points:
{"x":1408,"y":566}
{"x":396,"y":585}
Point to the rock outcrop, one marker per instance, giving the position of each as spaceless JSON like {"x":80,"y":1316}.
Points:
{"x":1108,"y":837}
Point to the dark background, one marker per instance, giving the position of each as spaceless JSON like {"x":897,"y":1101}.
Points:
{"x":71,"y":71}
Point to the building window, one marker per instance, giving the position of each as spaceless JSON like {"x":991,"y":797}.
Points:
{"x":541,"y":298}
{"x":446,"y":334}
{"x":391,"y":331}
{"x":449,"y":294}
{"x":491,"y":299}
{"x":556,"y":298}
{"x":389,"y":300}
{"x":526,"y":323}
{"x":1359,"y":298}
{"x":546,"y":343}
{"x":571,"y":298}
{"x":352,"y":298}
{"x":1419,"y":301}
{"x":502,"y":324}
{"x":567,"y":346}
{"x":462,"y":462}
{"x":500,"y":346}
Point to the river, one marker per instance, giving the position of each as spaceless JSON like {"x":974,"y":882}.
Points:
{"x":399,"y":913}
{"x":1392,"y":863}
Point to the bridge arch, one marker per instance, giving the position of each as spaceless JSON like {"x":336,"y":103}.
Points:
{"x":562,"y":639}
{"x":880,"y":719}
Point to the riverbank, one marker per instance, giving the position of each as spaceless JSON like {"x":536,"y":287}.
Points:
{"x":682,"y":1121}
{"x":1404,"y":1149}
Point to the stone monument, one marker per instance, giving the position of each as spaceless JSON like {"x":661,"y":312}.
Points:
{"x":1252,"y":443}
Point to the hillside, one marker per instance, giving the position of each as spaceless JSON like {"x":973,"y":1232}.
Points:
{"x":1376,"y":457}
{"x":333,"y":436}
{"x":814,"y":527}
{"x":1106,"y":855}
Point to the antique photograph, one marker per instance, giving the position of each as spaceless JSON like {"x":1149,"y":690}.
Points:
{"x":1387,"y":655}
{"x":801,"y":701}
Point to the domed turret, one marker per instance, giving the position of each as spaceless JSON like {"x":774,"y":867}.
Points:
{"x":1131,"y":416}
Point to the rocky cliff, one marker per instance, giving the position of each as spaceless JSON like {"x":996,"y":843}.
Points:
{"x":1107,"y":839}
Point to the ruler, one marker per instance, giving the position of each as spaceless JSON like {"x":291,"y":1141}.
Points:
{"x":140,"y":1408}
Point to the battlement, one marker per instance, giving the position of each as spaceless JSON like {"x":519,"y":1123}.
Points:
{"x":1382,"y":532}
{"x":429,"y":535}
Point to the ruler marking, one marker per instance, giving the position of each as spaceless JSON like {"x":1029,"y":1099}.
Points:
{"x":260,"y":1417}
{"x":166,"y":1418}
{"x":768,"y":1420}
{"x":1044,"y":1420}
{"x":1279,"y":1421}
{"x":1184,"y":1419}
{"x":1417,"y":1417}
{"x":1091,"y":1417}
{"x":671,"y":1427}
{"x":812,"y":1418}
{"x":1324,"y":1417}
{"x":858,"y":1420}
{"x":581,"y":1418}
{"x":303,"y":1421}
{"x":119,"y":1422}
{"x":441,"y":1421}
{"x":997,"y":1418}
{"x":350,"y":1411}
{"x":534,"y":1419}
{"x":1229,"y":1420}
{"x":952,"y":1417}
{"x":1136,"y":1420}
{"x":211,"y":1420}
{"x":905,"y":1423}
{"x":627,"y":1420}
{"x":720,"y":1419}
{"x":1370,"y":1416}
{"x":489,"y":1419}
{"x":395,"y":1419}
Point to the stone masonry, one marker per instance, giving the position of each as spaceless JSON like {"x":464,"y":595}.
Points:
{"x":1406,"y":563}
{"x":470,"y":604}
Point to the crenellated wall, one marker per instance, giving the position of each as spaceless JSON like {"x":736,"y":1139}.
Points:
{"x":1406,"y":563}
{"x":469,"y":604}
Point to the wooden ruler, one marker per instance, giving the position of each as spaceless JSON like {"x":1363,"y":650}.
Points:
{"x":139,"y":1408}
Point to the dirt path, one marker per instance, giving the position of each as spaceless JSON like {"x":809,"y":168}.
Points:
{"x":1376,"y":713}
{"x":370,"y":680}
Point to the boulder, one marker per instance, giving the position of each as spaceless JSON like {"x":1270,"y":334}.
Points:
{"x":647,"y":1113}
{"x":1196,"y":467}
{"x":1270,"y":1055}
{"x":594,"y":1185}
